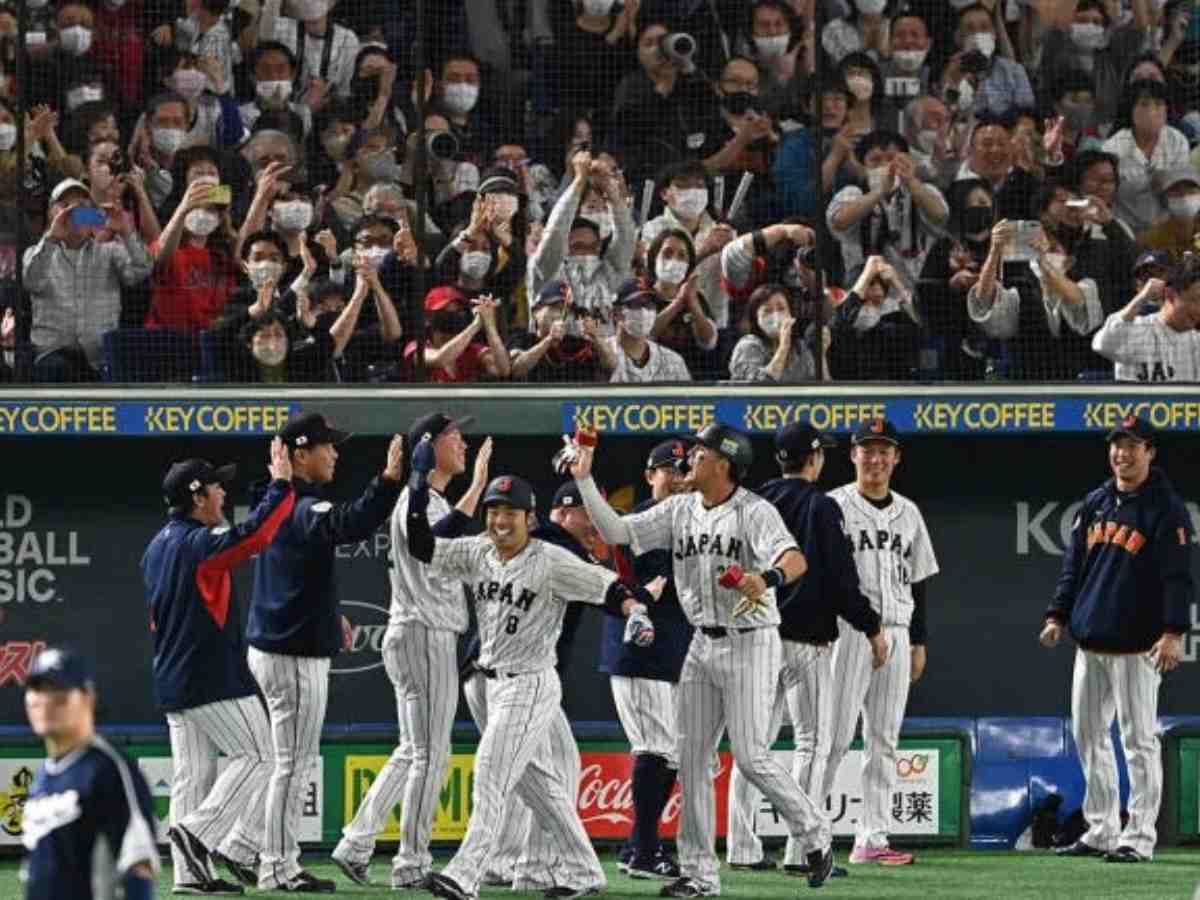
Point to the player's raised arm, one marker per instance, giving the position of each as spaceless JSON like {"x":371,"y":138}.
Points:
{"x":644,"y":531}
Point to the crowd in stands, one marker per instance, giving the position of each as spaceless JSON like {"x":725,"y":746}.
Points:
{"x":599,"y":191}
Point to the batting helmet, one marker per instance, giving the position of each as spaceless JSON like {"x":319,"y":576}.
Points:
{"x":730,"y":443}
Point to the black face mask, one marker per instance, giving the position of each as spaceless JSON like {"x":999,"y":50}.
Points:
{"x":740,"y":103}
{"x":449,"y":322}
{"x":976,"y":219}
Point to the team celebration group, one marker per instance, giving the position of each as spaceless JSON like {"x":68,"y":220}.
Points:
{"x":725,"y":611}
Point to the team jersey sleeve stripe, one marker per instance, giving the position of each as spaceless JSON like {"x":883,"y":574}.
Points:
{"x":137,"y":843}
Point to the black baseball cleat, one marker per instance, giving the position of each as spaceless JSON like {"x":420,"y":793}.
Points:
{"x":561,"y":892}
{"x":662,"y":866}
{"x":688,"y":887}
{"x":1125,"y":854}
{"x":308,"y":883}
{"x":820,"y":866}
{"x":801,"y":869}
{"x":195,"y":854}
{"x":766,"y":864}
{"x":214,"y":888}
{"x":247,"y":875}
{"x":1079,"y":848}
{"x":359,"y":873}
{"x":441,"y":886}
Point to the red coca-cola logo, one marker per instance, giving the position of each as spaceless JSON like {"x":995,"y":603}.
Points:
{"x":605,"y":796}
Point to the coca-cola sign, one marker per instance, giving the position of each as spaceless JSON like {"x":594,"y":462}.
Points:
{"x":605,"y":798}
{"x":368,"y":623}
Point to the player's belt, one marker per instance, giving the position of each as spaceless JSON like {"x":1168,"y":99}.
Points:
{"x":492,"y":673}
{"x":716,"y":632}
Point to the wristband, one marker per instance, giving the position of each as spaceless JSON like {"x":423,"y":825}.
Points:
{"x":773,"y":578}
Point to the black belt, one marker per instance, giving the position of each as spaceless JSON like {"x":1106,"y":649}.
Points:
{"x":716,"y":632}
{"x":492,"y":673}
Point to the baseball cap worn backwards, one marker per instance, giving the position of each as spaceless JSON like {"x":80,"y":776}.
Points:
{"x":310,"y":429}
{"x":187,"y":477}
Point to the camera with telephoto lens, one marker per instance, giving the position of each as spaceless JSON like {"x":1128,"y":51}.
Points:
{"x":679,"y":47}
{"x":442,"y":145}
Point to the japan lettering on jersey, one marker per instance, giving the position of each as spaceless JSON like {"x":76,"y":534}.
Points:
{"x":744,"y":530}
{"x":891,"y":549}
{"x":418,"y":593}
{"x":520,"y":603}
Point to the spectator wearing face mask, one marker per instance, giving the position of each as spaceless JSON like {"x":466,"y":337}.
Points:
{"x":672,"y":274}
{"x":386,"y":200}
{"x":792,"y":170}
{"x":372,"y":90}
{"x":876,"y":328}
{"x":213,"y":112}
{"x":1082,"y":36}
{"x":897,"y":215}
{"x":780,"y":43}
{"x":119,"y":47}
{"x":774,"y":351}
{"x":370,"y":159}
{"x":1162,"y":345}
{"x":68,"y":64}
{"x":81,"y":82}
{"x":1068,"y":220}
{"x":67,"y":328}
{"x":110,"y":190}
{"x":927,"y":128}
{"x":456,"y":96}
{"x":991,"y":157}
{"x":1144,"y":144}
{"x":273,"y":72}
{"x":290,"y":211}
{"x":760,"y":257}
{"x":976,"y":78}
{"x":452,"y":352}
{"x":547,"y":353}
{"x":871,"y":110}
{"x":1095,"y":175}
{"x":334,"y":129}
{"x":1179,"y":190}
{"x":570,"y":249}
{"x":1074,"y":96}
{"x":158,"y":140}
{"x":204,"y":33}
{"x":906,"y":73}
{"x":488,"y":255}
{"x":864,"y":28}
{"x":325,"y":51}
{"x":683,"y":189}
{"x":534,"y":180}
{"x":590,"y":55}
{"x":630,"y":356}
{"x":744,"y":139}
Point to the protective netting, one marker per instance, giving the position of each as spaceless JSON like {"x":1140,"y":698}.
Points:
{"x":589,"y":191}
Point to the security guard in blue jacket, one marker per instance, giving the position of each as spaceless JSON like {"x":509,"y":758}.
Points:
{"x":1125,"y":593}
{"x":294,"y":628}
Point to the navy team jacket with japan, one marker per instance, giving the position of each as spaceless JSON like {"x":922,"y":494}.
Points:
{"x":199,"y":654}
{"x":294,"y":610}
{"x":1126,"y":577}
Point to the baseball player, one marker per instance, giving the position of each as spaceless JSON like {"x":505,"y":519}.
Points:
{"x":895,"y":560}
{"x":420,"y":656}
{"x":86,"y":822}
{"x":643,"y":681}
{"x":294,"y":629}
{"x":730,"y":675}
{"x":1125,"y":593}
{"x":201,"y":680}
{"x":521,"y":587}
{"x":809,"y":611}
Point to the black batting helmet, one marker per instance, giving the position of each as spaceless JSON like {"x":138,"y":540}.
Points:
{"x":730,"y":443}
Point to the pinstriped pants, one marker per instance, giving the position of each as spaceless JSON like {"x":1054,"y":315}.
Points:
{"x":880,"y":695}
{"x":296,"y":689}
{"x":224,"y":812}
{"x":422,"y":665}
{"x":1123,"y":686}
{"x":512,"y":756}
{"x":806,"y":693}
{"x":731,"y":682}
{"x":646,"y":708}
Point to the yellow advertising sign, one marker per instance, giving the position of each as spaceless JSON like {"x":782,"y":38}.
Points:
{"x":454,"y":802}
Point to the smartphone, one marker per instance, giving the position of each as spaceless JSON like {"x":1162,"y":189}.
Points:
{"x":1081,"y":203}
{"x":220,"y":194}
{"x":1027,"y":231}
{"x":82,"y":216}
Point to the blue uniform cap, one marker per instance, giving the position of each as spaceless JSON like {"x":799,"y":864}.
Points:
{"x":1134,"y":427}
{"x":876,"y":430}
{"x":797,"y":440}
{"x":188,"y":476}
{"x":60,"y":668}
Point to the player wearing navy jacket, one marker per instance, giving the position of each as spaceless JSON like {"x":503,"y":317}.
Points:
{"x":86,"y":822}
{"x":1125,"y":593}
{"x":294,"y":629}
{"x":808,"y":610}
{"x":201,"y":680}
{"x":643,"y":680}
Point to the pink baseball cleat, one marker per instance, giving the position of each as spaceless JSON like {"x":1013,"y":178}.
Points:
{"x":880,"y":856}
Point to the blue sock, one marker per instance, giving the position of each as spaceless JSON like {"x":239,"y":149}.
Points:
{"x":647,"y":789}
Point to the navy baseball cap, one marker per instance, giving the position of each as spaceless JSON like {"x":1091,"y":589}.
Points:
{"x":876,"y":430}
{"x":311,"y":429}
{"x":510,"y":491}
{"x":552,"y":292}
{"x":670,"y":453}
{"x":567,"y":495}
{"x":1134,"y":427}
{"x":796,"y":441}
{"x":60,"y":668}
{"x":636,"y":291}
{"x":433,"y":425}
{"x":189,"y":476}
{"x":1160,"y":258}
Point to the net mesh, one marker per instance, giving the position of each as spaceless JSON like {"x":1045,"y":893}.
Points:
{"x":553,"y":191}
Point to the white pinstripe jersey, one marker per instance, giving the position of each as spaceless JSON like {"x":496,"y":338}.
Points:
{"x":418,"y":593}
{"x":891,"y":548}
{"x":519,"y":603}
{"x":704,"y":542}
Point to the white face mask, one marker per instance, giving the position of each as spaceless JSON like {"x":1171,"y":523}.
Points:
{"x":1089,"y":36}
{"x":375,"y":256}
{"x":984,"y":42}
{"x":584,"y":265}
{"x":597,"y":7}
{"x":274,"y":91}
{"x":202,"y":222}
{"x":460,"y":98}
{"x":876,"y":178}
{"x":210,"y":180}
{"x":75,"y":40}
{"x":270,"y":353}
{"x":264,"y":271}
{"x":690,"y":203}
{"x":871,"y":7}
{"x":772,"y":47}
{"x":189,"y":82}
{"x":926,"y":140}
{"x":671,"y":271}
{"x":638,"y":322}
{"x":1184,"y":207}
{"x":100,"y":177}
{"x":868,"y":317}
{"x":909,"y":60}
{"x":85,"y":93}
{"x":8,"y":136}
{"x":294,"y":216}
{"x":861,"y":86}
{"x":167,"y":140}
{"x":771,"y":322}
{"x":603,"y":221}
{"x":475,"y":264}
{"x":505,"y":206}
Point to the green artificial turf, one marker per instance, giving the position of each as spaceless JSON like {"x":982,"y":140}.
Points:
{"x":949,"y":874}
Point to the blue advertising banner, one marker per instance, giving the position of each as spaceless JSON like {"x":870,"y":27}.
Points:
{"x":138,"y":418}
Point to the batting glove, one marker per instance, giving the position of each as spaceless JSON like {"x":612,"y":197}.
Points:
{"x":424,"y":460}
{"x":639,"y":630}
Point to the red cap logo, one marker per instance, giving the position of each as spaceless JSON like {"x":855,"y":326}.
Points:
{"x":1130,"y":421}
{"x":504,"y":484}
{"x":877,"y":426}
{"x":677,"y":450}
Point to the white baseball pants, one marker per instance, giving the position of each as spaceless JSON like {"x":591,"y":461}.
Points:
{"x":646,"y":708}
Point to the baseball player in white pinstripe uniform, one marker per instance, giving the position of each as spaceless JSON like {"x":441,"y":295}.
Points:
{"x":521,"y":586}
{"x":730,"y":675}
{"x":428,"y":613}
{"x":894,"y":557}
